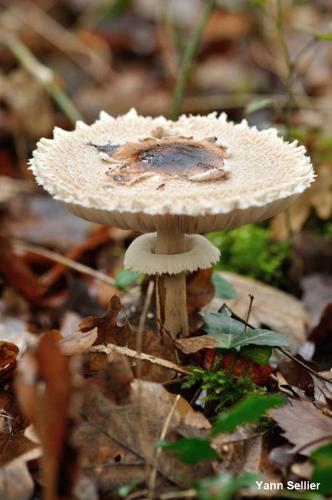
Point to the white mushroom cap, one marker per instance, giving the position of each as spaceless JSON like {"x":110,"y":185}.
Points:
{"x":260,"y":176}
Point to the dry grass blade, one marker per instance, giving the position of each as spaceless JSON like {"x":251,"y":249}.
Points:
{"x":20,"y":246}
{"x":153,"y":476}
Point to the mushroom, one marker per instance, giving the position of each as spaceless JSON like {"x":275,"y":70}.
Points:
{"x":171,"y":181}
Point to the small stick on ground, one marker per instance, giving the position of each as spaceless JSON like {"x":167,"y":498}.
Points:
{"x":125,"y":351}
{"x":153,"y":476}
{"x":20,"y":246}
{"x":191,"y":493}
{"x":251,"y":297}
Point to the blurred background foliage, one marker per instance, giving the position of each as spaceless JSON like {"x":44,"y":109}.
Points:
{"x":268,"y":61}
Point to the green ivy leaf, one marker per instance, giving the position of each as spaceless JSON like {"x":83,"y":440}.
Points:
{"x":260,"y":355}
{"x":229,"y":333}
{"x":124,"y":278}
{"x":190,"y":450}
{"x":224,"y":485}
{"x":224,"y":289}
{"x":323,"y":468}
{"x":250,"y":409}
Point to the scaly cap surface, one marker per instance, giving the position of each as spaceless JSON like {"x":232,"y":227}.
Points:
{"x":91,"y":170}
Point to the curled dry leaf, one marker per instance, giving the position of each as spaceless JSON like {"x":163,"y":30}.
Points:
{"x":78,"y":342}
{"x":44,"y":390}
{"x":107,"y":327}
{"x":303,"y":425}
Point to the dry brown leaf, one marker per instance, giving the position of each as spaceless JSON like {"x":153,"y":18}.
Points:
{"x":195,"y":344}
{"x":44,"y":389}
{"x":78,"y":342}
{"x":318,"y":196}
{"x":108,"y":329}
{"x":303,"y":425}
{"x":137,"y":424}
{"x":8,"y":355}
{"x":278,"y":310}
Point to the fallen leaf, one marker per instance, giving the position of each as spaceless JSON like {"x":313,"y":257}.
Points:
{"x":317,"y":294}
{"x":8,"y":355}
{"x":200,"y":290}
{"x":195,"y":344}
{"x":78,"y":342}
{"x":108,"y":329}
{"x":318,"y":196}
{"x":44,"y":388}
{"x":147,"y":408}
{"x":303,"y":425}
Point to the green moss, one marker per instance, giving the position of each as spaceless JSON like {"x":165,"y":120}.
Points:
{"x":222,"y":388}
{"x":249,"y":250}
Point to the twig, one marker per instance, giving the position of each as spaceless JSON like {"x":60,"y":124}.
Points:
{"x":188,"y":59}
{"x":125,"y":351}
{"x":153,"y":476}
{"x":61,"y":259}
{"x":178,"y":494}
{"x":251,"y":297}
{"x":40,"y":72}
{"x":288,"y":354}
{"x":147,"y":302}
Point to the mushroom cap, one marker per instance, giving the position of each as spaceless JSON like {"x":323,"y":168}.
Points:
{"x":88,"y":170}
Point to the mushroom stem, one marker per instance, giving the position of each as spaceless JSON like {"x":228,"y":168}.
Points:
{"x":171,"y":296}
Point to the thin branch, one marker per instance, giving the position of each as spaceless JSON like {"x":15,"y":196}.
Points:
{"x":191,"y":493}
{"x":153,"y":476}
{"x":20,"y":246}
{"x":251,"y":298}
{"x":188,"y":58}
{"x":40,"y":72}
{"x":125,"y":351}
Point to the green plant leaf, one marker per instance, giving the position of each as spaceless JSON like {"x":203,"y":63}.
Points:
{"x":250,"y":409}
{"x":224,"y":486}
{"x":224,"y":289}
{"x":324,"y":36}
{"x":124,"y":278}
{"x":258,"y":104}
{"x":228,"y":333}
{"x":190,"y":450}
{"x":260,"y":355}
{"x":323,"y":468}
